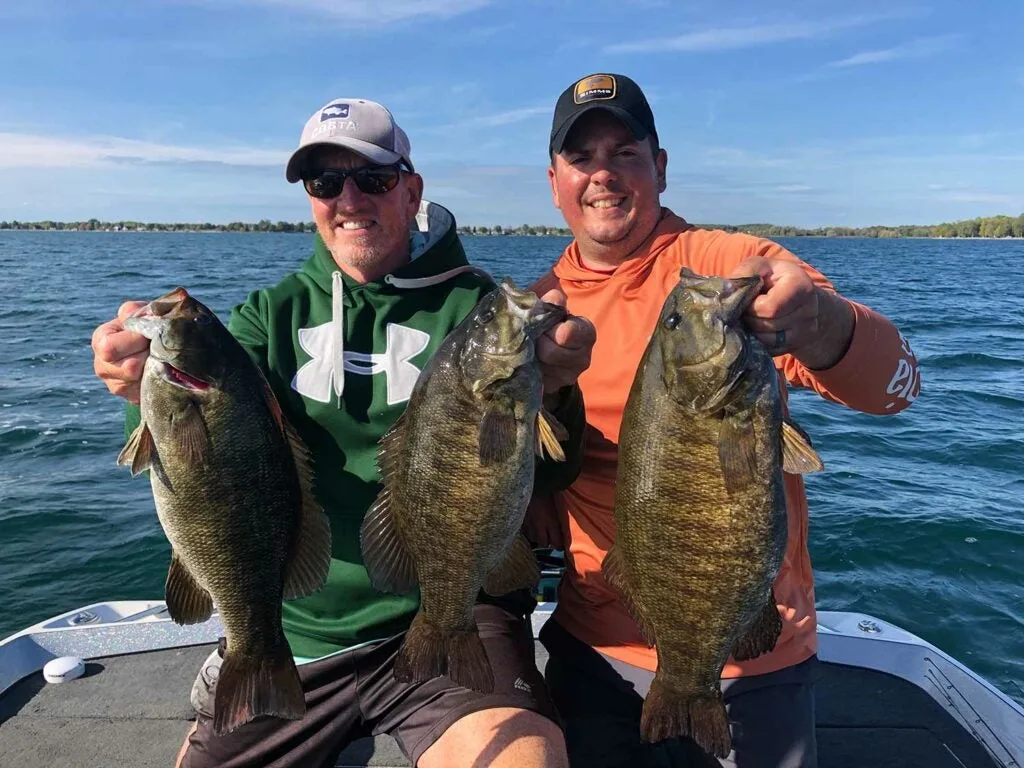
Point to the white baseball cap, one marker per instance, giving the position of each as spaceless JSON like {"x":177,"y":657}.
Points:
{"x":365,"y":127}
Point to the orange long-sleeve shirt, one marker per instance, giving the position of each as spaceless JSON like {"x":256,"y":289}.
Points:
{"x":878,"y":374}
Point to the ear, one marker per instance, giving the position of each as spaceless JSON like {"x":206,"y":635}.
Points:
{"x":554,"y":185}
{"x":414,"y":193}
{"x":661,"y":165}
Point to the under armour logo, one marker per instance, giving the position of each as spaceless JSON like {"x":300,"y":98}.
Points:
{"x":318,"y":380}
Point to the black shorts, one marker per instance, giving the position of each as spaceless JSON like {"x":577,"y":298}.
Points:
{"x":600,"y":700}
{"x":355,"y":694}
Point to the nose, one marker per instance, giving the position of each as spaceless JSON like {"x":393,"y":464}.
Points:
{"x":351,"y":197}
{"x":602,"y":173}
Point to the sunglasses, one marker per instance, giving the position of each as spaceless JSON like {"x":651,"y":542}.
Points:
{"x":370,"y":179}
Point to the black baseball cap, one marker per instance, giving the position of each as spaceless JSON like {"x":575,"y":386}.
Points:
{"x":615,"y":93}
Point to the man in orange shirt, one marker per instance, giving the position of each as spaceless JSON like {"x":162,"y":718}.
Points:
{"x":607,"y":172}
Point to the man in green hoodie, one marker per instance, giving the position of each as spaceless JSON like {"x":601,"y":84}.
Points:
{"x":342,"y":342}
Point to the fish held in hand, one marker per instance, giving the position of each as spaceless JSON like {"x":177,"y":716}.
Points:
{"x":232,"y":483}
{"x":700,"y":507}
{"x":457,"y":471}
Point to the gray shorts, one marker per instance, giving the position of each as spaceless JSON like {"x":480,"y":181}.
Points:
{"x":355,"y":694}
{"x":599,"y":700}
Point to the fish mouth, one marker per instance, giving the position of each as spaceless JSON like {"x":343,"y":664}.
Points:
{"x":544,"y":316}
{"x":182,"y":380}
{"x":151,"y":319}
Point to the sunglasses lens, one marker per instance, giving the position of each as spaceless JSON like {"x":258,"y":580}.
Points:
{"x":325,"y":185}
{"x":371,"y":181}
{"x":376,"y":181}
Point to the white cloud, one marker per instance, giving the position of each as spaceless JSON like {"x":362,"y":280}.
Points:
{"x":1014,"y":201}
{"x":506,"y":118}
{"x":360,"y":13}
{"x":916,"y":49}
{"x":731,"y":38}
{"x":22,"y":150}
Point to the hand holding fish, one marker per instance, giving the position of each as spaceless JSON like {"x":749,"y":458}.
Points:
{"x":793,"y":315}
{"x":564,"y":351}
{"x":120,"y":355}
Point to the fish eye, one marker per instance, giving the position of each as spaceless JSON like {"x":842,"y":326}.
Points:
{"x":672,"y":321}
{"x":201,"y":320}
{"x":487,"y":315}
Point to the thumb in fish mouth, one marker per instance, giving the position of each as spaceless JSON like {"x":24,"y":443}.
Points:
{"x":149,"y":320}
{"x":735,"y":293}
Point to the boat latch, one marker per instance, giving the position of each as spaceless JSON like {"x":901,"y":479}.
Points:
{"x":83,"y":617}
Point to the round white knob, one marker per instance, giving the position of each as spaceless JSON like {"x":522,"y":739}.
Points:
{"x":63,"y":669}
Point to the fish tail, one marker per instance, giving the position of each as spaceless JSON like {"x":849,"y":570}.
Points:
{"x":669,"y":713}
{"x":251,"y":686}
{"x":429,"y":652}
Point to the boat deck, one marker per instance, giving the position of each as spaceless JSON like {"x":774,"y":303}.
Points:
{"x":133,"y":710}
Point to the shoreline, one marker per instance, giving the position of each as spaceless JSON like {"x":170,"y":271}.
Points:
{"x":219,"y":231}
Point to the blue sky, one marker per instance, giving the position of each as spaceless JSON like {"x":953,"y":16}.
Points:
{"x":797,"y":112}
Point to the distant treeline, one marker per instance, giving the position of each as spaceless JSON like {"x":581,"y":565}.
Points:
{"x":989,"y":226}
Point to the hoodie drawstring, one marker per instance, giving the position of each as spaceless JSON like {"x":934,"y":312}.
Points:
{"x":425,"y":282}
{"x":338,"y":333}
{"x":338,"y":312}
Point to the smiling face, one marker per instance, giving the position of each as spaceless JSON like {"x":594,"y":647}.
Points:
{"x":367,"y":234}
{"x":607,"y":185}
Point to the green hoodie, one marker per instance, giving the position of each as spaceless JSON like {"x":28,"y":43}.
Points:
{"x":391,"y":328}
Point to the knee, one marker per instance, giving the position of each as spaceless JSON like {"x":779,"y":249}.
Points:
{"x":506,"y":736}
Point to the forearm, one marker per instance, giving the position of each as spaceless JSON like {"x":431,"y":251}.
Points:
{"x":836,"y":322}
{"x":878,"y":373}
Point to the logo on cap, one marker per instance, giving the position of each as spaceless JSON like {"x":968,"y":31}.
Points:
{"x":334,"y":111}
{"x":594,"y":87}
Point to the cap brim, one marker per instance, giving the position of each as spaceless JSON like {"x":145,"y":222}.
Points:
{"x":373,"y":153}
{"x":634,"y":126}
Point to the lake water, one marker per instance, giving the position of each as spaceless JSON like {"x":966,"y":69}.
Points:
{"x":918,"y":519}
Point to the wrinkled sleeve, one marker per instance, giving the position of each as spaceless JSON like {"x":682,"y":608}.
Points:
{"x":248,"y":324}
{"x":879,"y":372}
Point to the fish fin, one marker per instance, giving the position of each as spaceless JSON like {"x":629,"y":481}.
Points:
{"x":388,"y":560}
{"x":271,"y":400}
{"x":310,"y":559}
{"x":497,"y":435}
{"x":188,"y":431}
{"x":701,"y":716}
{"x":518,"y":570}
{"x":798,"y":456}
{"x":385,"y":554}
{"x":550,"y":433}
{"x":429,"y":652}
{"x":761,"y":636}
{"x":613,"y":568}
{"x":737,"y":452}
{"x":390,"y":448}
{"x":252,"y":686}
{"x":187,"y":601}
{"x":139,"y":451}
